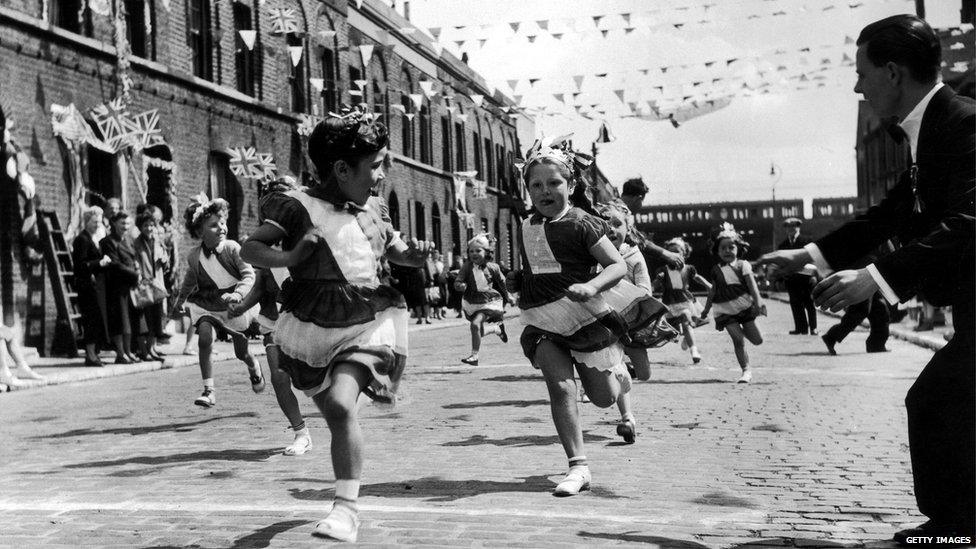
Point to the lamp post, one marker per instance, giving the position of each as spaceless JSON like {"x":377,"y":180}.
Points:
{"x":776,"y":173}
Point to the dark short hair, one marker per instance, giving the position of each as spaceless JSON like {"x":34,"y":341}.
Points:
{"x":122,"y":214}
{"x":634,"y":187}
{"x":349,"y":137}
{"x":904,"y":40}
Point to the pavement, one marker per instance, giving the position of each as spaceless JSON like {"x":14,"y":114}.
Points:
{"x":813,"y":453}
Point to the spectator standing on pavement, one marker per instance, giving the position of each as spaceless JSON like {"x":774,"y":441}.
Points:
{"x":216,"y":277}
{"x":874,"y":309}
{"x":570,"y":327}
{"x":341,"y":332}
{"x":735,"y":296}
{"x":89,"y":265}
{"x":632,"y":194}
{"x":683,"y":310}
{"x":931,"y":211}
{"x":151,"y":259}
{"x":453,"y":295}
{"x":799,"y":285}
{"x":121,"y":275}
{"x":484,"y":294}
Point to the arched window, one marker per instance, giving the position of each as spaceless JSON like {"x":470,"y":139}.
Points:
{"x":330,"y":67}
{"x":489,"y":175}
{"x":446,"y":141}
{"x":297,"y":77}
{"x":244,"y":57}
{"x":160,"y":191}
{"x":435,"y":227}
{"x":460,"y":144}
{"x":199,"y":38}
{"x":140,"y":24}
{"x":407,"y":123}
{"x":378,"y":96}
{"x":425,"y":127}
{"x":71,"y":15}
{"x":476,"y":145}
{"x":393,"y":203}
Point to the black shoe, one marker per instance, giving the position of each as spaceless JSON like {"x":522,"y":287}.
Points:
{"x":830,"y":344}
{"x":502,"y":334}
{"x":798,"y":332}
{"x":813,"y":332}
{"x":931,"y":530}
{"x":122,"y":360}
{"x":94,"y":361}
{"x":878,"y":350}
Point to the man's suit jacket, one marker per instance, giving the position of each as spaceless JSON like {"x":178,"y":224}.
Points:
{"x":936,"y":257}
{"x":801,"y":241}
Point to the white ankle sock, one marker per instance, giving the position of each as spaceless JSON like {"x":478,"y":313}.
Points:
{"x":208,"y":383}
{"x":347,"y":490}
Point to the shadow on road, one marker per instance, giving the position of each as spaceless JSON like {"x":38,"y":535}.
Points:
{"x":168,"y":427}
{"x":685,"y":381}
{"x":190,"y":457}
{"x":495,"y":404}
{"x":520,"y":441}
{"x":436,"y":489}
{"x":258,"y":539}
{"x":633,"y":537}
{"x":527,"y":377}
{"x":724,"y":499}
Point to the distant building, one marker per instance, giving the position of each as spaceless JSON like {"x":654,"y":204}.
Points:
{"x":224,"y":75}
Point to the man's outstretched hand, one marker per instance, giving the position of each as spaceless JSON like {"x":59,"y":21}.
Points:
{"x":784,"y":262}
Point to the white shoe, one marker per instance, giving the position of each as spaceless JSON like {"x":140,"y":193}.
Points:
{"x":207,"y":399}
{"x":746,"y":376}
{"x":188,"y":351}
{"x":25,"y":372}
{"x":7,"y":378}
{"x":302,"y":444}
{"x":342,"y":524}
{"x":582,"y":395}
{"x":577,"y":480}
{"x":695,"y":355}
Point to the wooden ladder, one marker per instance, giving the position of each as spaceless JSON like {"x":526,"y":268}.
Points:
{"x":68,"y":330}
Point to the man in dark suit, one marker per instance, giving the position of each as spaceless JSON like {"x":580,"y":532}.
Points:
{"x":799,"y":284}
{"x":632,"y":194}
{"x":931,"y":211}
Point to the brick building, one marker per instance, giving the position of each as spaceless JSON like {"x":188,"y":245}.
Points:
{"x":215,"y":88}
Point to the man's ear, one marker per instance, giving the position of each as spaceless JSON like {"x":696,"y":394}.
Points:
{"x":895,"y":73}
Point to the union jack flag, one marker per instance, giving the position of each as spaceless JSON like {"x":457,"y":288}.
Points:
{"x":307,"y":124}
{"x":265,"y":167}
{"x":283,"y":21}
{"x":241,"y":160}
{"x":144,"y":130}
{"x":112,"y":120}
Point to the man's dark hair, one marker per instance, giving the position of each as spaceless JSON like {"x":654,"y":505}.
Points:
{"x":904,"y":40}
{"x":634,"y":187}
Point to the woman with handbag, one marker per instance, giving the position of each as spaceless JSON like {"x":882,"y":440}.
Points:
{"x":89,"y":264}
{"x":121,"y":276}
{"x":148,"y":296}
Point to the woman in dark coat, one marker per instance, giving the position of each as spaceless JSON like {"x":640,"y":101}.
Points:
{"x":121,"y":275}
{"x":89,"y":263}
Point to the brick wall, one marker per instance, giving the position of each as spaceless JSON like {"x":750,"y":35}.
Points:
{"x":41,"y":65}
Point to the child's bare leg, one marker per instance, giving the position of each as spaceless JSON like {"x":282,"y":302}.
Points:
{"x":640,"y":361}
{"x":602,"y":388}
{"x":738,"y":343}
{"x":477,"y":325}
{"x":752,"y":333}
{"x":242,"y":352}
{"x":205,"y":343}
{"x":689,"y":334}
{"x":338,"y":405}
{"x":557,"y":368}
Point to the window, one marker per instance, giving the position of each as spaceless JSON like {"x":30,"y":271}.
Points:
{"x":425,"y":127}
{"x":420,"y":223}
{"x":489,"y":174}
{"x":500,"y":180}
{"x":379,"y":103}
{"x":71,"y":15}
{"x":407,"y":137}
{"x":102,"y":181}
{"x":224,"y":184}
{"x":141,"y":28}
{"x":435,"y":227}
{"x":356,"y":94}
{"x":460,"y":148}
{"x":243,"y":57}
{"x":299,"y":83}
{"x":330,"y":89}
{"x":393,"y":204}
{"x":198,"y":29}
{"x":446,"y":143}
{"x":476,"y":141}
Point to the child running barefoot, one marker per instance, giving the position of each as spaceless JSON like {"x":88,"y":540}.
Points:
{"x":340,"y":332}
{"x":216,"y":277}
{"x":485,"y":294}
{"x":683,"y":310}
{"x":569,"y":322}
{"x":618,"y":216}
{"x":735,"y":296}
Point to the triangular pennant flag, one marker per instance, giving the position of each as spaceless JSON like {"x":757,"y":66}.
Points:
{"x":296,"y":54}
{"x":248,"y":37}
{"x":632,"y":106}
{"x":531,"y":39}
{"x":435,"y":32}
{"x":428,"y":87}
{"x":628,"y":30}
{"x":532,"y":81}
{"x":517,"y":98}
{"x":596,"y":20}
{"x":620,"y":95}
{"x":544,"y":24}
{"x":410,"y":116}
{"x":477,"y":99}
{"x":361,"y":84}
{"x":481,"y":42}
{"x":601,"y":75}
{"x":417,"y":99}
{"x":604,"y":33}
{"x":512,"y":84}
{"x":560,"y":97}
{"x":366,"y":51}
{"x":463,"y":117}
{"x":626,"y":17}
{"x":557,"y":36}
{"x":515,"y":26}
{"x":359,"y":4}
{"x":579,"y":81}
{"x":317,"y":83}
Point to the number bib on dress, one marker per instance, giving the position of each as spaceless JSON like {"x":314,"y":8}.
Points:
{"x":674,"y":277}
{"x":480,"y":281}
{"x":537,"y":250}
{"x":731,"y":277}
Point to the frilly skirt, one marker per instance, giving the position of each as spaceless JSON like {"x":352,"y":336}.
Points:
{"x":221,"y":320}
{"x":493,"y":310}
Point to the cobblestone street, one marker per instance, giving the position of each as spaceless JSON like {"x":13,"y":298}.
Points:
{"x":812,"y":453}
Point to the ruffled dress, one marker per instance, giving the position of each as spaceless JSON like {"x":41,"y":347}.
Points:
{"x":333,"y":307}
{"x":556,"y":255}
{"x":731,"y":301}
{"x":485,"y":291}
{"x":211,"y":274}
{"x":270,"y":282}
{"x":676,"y":295}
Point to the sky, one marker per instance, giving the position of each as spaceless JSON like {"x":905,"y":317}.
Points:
{"x":805,"y":126}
